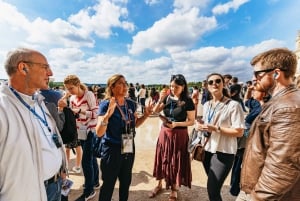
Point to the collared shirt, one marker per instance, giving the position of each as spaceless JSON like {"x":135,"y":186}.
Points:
{"x":51,"y":155}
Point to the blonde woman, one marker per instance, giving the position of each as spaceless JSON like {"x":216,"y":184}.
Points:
{"x":116,"y":125}
{"x":83,"y":104}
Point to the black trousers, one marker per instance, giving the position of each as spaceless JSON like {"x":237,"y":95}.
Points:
{"x":115,"y":165}
{"x":217,"y":167}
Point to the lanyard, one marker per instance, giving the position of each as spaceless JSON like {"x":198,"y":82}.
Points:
{"x":126,"y":120}
{"x":212,"y":113}
{"x":44,"y":121}
{"x":172,"y":108}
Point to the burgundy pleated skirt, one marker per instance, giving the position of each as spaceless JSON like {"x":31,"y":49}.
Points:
{"x":172,"y":159}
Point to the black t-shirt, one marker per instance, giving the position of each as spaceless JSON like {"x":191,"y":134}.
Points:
{"x":131,"y":93}
{"x":235,"y":89}
{"x":176,"y":110}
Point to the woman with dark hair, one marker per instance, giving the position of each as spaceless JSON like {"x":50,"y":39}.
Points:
{"x":131,"y":92}
{"x":222,"y":123}
{"x":172,"y":159}
{"x":154,"y":95}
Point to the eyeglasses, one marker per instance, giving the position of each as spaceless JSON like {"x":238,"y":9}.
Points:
{"x":259,"y":72}
{"x":211,"y":82}
{"x":45,"y":66}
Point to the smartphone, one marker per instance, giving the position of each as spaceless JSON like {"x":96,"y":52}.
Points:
{"x":164,"y":119}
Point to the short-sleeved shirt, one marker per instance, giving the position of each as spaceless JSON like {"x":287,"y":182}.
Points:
{"x":51,"y":96}
{"x":176,"y":110}
{"x":116,"y":125}
{"x":236,"y":89}
{"x":231,"y":116}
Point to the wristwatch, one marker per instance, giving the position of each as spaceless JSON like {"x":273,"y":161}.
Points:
{"x":218,"y":129}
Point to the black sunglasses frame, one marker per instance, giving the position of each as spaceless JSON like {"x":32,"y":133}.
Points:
{"x":217,"y":81}
{"x":256,"y":73}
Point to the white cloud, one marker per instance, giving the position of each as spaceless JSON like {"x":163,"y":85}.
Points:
{"x":58,"y":32}
{"x":151,"y":2}
{"x":101,"y":18}
{"x":224,"y":8}
{"x":76,"y":32}
{"x":186,"y":5}
{"x":197,"y":64}
{"x":176,"y":32}
{"x":69,"y":44}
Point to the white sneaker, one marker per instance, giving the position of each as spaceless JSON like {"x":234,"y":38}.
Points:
{"x":84,"y":197}
{"x":76,"y":169}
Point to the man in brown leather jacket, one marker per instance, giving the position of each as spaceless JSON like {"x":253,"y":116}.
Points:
{"x":271,"y":166}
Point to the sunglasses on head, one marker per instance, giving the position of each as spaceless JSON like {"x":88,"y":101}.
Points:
{"x":177,"y":77}
{"x":211,"y":82}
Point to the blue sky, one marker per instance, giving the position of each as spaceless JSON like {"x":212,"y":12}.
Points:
{"x":148,"y":40}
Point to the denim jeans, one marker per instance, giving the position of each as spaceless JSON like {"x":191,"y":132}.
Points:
{"x":53,"y":190}
{"x":143,"y":100}
{"x":89,"y":164}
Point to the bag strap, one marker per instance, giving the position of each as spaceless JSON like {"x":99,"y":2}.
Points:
{"x":206,"y":140}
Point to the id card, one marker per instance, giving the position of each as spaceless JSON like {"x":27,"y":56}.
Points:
{"x":82,"y":132}
{"x":127,"y":143}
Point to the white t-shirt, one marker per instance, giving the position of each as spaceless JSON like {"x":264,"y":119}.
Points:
{"x":51,"y":155}
{"x":231,"y":116}
{"x":142,"y":93}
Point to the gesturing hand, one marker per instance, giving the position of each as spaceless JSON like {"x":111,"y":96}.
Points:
{"x":111,"y":107}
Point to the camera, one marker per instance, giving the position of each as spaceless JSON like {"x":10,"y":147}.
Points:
{"x":56,"y":141}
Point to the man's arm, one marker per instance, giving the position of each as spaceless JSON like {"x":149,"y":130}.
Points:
{"x":282,"y":164}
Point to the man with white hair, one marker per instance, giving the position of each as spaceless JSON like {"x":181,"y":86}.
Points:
{"x":31,"y":157}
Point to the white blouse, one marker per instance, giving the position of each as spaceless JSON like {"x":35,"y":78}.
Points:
{"x":231,"y":116}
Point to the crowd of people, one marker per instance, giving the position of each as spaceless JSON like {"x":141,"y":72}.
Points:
{"x":252,"y":131}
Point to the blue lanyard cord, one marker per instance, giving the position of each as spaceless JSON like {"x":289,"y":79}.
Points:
{"x":44,"y":121}
{"x":212,"y":113}
{"x":171,"y":109}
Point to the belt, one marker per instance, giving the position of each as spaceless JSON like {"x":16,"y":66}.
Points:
{"x":52,"y":179}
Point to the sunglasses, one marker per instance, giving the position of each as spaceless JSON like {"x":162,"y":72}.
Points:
{"x":211,"y":82}
{"x":179,"y":79}
{"x":259,"y":72}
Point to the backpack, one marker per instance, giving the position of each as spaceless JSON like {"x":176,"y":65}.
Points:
{"x":69,"y":131}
